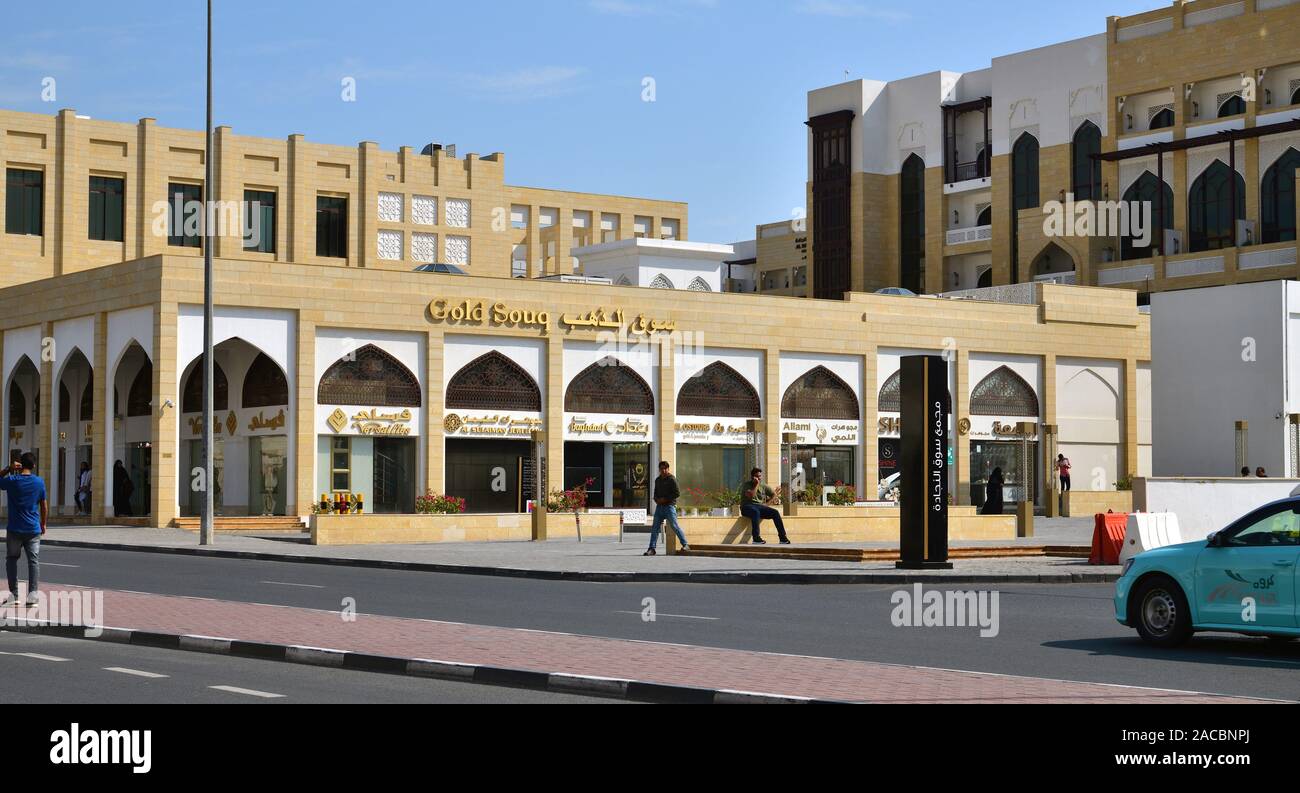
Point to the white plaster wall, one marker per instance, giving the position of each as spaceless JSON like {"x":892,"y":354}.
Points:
{"x":642,"y":359}
{"x":1208,"y":505}
{"x":1039,"y":90}
{"x":1089,"y":410}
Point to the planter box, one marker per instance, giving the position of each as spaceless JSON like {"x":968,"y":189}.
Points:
{"x":428,"y":529}
{"x":815,"y":525}
{"x":1085,"y":504}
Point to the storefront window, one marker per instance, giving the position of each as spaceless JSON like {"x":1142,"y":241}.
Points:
{"x":709,"y":469}
{"x":341,"y":465}
{"x":1007,"y":455}
{"x":268,"y":456}
{"x":834,"y":464}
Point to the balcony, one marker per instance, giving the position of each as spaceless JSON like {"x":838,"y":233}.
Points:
{"x":973,"y":234}
{"x":1069,"y":279}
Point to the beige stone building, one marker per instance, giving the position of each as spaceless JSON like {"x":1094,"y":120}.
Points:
{"x":82,"y":193}
{"x":943,"y":182}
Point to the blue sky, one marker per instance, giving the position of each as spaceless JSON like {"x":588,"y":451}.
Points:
{"x":556,"y":85}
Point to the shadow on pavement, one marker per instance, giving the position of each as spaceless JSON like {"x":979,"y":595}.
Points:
{"x":1217,"y":650}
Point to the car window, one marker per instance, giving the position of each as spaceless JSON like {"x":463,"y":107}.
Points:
{"x":1276,"y":528}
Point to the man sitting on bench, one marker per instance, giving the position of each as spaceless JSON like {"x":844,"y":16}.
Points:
{"x":755,"y":498}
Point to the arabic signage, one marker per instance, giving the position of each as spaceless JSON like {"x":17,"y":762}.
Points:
{"x":593,"y":427}
{"x":820,"y":432}
{"x":353,"y":420}
{"x":981,"y":427}
{"x":504,"y":315}
{"x":495,"y":425}
{"x":235,"y":423}
{"x":706,"y":430}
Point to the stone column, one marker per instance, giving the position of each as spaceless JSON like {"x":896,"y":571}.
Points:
{"x":435,"y":444}
{"x":305,"y":442}
{"x":1129,"y":465}
{"x":961,"y":410}
{"x":870,"y":440}
{"x":45,"y":433}
{"x":101,"y":474}
{"x":163,"y":480}
{"x":554,"y":401}
{"x":772,"y":439}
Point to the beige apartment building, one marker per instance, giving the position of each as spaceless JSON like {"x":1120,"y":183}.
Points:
{"x":943,"y":182}
{"x":82,"y":193}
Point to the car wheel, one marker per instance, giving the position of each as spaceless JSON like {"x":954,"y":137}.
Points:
{"x":1161,"y":613}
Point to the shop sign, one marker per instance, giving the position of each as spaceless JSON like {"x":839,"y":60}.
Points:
{"x":373,"y":422}
{"x":261,"y":422}
{"x":820,"y":432}
{"x":490,"y":426}
{"x":1000,"y":430}
{"x":717,"y":431}
{"x":581,"y":427}
{"x":479,"y":312}
{"x":196,"y":425}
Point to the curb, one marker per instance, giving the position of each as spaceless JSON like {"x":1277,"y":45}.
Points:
{"x":754,"y":578}
{"x":555,"y":682}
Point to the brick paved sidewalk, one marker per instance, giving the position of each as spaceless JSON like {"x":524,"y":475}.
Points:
{"x":738,"y":670}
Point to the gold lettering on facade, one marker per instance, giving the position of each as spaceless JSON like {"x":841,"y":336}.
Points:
{"x":261,"y":422}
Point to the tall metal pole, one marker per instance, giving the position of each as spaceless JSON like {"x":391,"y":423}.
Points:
{"x":207,"y":534}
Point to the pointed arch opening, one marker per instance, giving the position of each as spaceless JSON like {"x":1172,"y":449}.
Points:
{"x":1004,"y":393}
{"x":370,"y":377}
{"x":609,"y":386}
{"x":1232,"y":106}
{"x":493,"y":382}
{"x":820,"y":394}
{"x":985,"y":217}
{"x":1162,"y":120}
{"x":1052,"y":261}
{"x":699,"y":285}
{"x":192,"y":396}
{"x":265,"y":385}
{"x":1087,"y":168}
{"x":718,"y":390}
{"x":1212,"y":219}
{"x":1146,"y":192}
{"x":912,"y":218}
{"x":87,"y":407}
{"x":139,"y":398}
{"x":661,"y":281}
{"x":1277,"y":199}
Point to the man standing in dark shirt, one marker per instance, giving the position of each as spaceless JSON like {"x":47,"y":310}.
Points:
{"x":666,"y":495}
{"x":28,"y":509}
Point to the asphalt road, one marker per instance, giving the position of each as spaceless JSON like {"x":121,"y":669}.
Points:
{"x":50,"y":670}
{"x":1053,"y":631}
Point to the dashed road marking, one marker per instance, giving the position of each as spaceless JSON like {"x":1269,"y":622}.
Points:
{"x":40,"y":657}
{"x":134,"y":672}
{"x":248,"y":692}
{"x":675,"y":616}
{"x":286,"y":583}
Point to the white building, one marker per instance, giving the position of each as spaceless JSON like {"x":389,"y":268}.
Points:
{"x":1220,"y":356}
{"x":658,"y":264}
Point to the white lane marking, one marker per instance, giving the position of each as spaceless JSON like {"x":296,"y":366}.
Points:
{"x":52,"y":564}
{"x":286,"y":583}
{"x":40,"y":657}
{"x":675,"y":616}
{"x":134,"y":672}
{"x":247,"y":692}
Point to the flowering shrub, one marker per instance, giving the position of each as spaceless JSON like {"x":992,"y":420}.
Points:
{"x":697,"y":496}
{"x":842,"y":496}
{"x":574,"y":500}
{"x":726,"y":498}
{"x":430,"y":504}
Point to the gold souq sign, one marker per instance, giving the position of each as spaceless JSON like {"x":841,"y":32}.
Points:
{"x":479,"y":312}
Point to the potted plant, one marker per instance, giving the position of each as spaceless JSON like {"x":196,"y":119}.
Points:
{"x":694,"y":497}
{"x":842,"y":495}
{"x":573,"y":501}
{"x":727,"y":501}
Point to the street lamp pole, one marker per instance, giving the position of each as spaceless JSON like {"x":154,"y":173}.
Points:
{"x":207,"y":533}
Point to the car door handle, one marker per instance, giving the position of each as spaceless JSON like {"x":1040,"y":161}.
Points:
{"x":1284,"y":563}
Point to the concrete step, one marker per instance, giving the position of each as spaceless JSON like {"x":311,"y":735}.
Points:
{"x":794,"y":552}
{"x":255,"y":523}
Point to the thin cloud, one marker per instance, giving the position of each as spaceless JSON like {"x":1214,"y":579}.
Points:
{"x":629,"y":8}
{"x":531,"y":83}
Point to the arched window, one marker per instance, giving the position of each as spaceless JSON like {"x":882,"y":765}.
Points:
{"x":912,"y":214}
{"x":65,"y":404}
{"x":661,"y":281}
{"x":1211,"y":218}
{"x":1163,"y":119}
{"x":699,"y":285}
{"x":192,"y":396}
{"x":369,"y":377}
{"x":1087,"y":169}
{"x":17,"y":406}
{"x":820,"y":394}
{"x":623,"y":280}
{"x":493,"y":382}
{"x":265,"y":385}
{"x":139,"y":400}
{"x":1053,"y":260}
{"x":1143,"y":193}
{"x":609,"y":386}
{"x":1295,"y":97}
{"x":1233,"y":106}
{"x":718,"y":390}
{"x":1277,"y":207}
{"x":1004,"y":393}
{"x":890,"y":399}
{"x":1024,"y":191}
{"x":986,"y":216}
{"x":87,"y":409}
{"x":986,"y":278}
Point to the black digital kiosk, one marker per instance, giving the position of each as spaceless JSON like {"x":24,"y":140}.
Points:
{"x":923,"y":506}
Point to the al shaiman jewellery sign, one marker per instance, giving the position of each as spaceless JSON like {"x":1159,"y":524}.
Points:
{"x":478,"y":312}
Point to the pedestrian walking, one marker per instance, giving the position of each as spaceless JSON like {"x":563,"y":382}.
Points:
{"x":756,"y":499}
{"x":122,"y":490}
{"x":83,"y":490}
{"x":993,"y":504}
{"x":666,"y":494}
{"x":28,"y":510}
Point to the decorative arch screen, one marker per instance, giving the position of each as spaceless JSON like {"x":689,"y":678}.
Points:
{"x":820,"y":394}
{"x":608,"y":386}
{"x":265,"y":385}
{"x":87,"y":412}
{"x":65,"y":404}
{"x":493,"y":382}
{"x":1004,"y":393}
{"x":17,"y":406}
{"x":192,"y":398}
{"x":371,"y":377}
{"x":718,"y":390}
{"x":891,"y":394}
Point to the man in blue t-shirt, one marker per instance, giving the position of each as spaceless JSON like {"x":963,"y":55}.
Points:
{"x":28,"y":509}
